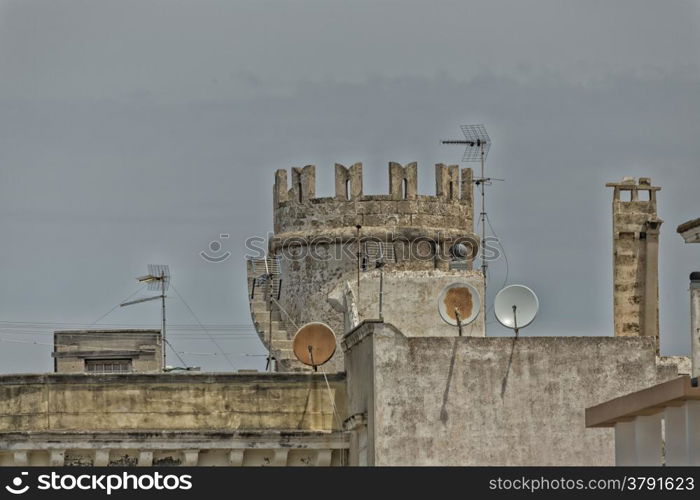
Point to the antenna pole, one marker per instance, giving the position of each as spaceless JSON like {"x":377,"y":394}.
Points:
{"x":381,"y":293}
{"x":358,"y":227}
{"x":269,"y":318}
{"x":311,"y":356}
{"x":484,"y":265}
{"x":478,"y":144}
{"x":515,"y":321}
{"x":162,"y":296}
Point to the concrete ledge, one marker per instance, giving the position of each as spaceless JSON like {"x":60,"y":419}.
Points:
{"x":171,"y":439}
{"x":687,"y":226}
{"x":355,"y":336}
{"x":160,"y":378}
{"x":645,"y":402}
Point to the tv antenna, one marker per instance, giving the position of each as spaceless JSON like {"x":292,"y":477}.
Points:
{"x":158,"y":278}
{"x":459,"y":304}
{"x":515,"y":307}
{"x":478,"y":143}
{"x":314,"y":344}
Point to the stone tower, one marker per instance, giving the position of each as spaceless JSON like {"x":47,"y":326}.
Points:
{"x":635,"y":258}
{"x":321,"y":277}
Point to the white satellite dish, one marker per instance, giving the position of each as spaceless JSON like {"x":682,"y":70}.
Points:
{"x":515,"y":307}
{"x":459,"y":304}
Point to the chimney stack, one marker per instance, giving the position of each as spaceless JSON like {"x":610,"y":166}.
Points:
{"x":635,"y":257}
{"x":695,"y":321}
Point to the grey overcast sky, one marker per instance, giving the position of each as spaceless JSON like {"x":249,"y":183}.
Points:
{"x":136,"y":132}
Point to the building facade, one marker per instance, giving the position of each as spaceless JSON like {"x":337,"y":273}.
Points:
{"x":403,"y":388}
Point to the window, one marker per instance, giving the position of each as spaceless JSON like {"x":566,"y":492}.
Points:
{"x":108,"y":365}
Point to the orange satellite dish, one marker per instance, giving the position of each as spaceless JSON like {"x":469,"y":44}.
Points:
{"x":314,"y":344}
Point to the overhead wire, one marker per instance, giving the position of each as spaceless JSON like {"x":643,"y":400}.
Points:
{"x":196,"y":318}
{"x":118,"y":304}
{"x":505,"y":258}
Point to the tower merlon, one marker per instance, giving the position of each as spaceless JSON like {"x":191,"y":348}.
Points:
{"x":403,"y":184}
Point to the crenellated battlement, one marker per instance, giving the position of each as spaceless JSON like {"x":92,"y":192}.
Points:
{"x":297,"y":209}
{"x":403,"y":183}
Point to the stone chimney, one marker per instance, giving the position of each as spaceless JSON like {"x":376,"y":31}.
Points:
{"x":635,"y":258}
{"x":695,"y":321}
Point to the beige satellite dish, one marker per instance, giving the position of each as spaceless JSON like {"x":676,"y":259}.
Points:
{"x":459,"y":304}
{"x":314,"y":344}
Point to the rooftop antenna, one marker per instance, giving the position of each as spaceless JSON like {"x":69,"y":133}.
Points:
{"x":158,"y":278}
{"x":459,"y":304}
{"x":359,"y":263}
{"x":268,"y":277}
{"x":314,"y":344}
{"x":478,"y":143}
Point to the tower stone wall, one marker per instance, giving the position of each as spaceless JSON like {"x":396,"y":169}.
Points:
{"x":326,"y":246}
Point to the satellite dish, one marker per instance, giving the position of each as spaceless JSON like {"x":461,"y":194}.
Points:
{"x":314,"y":344}
{"x":516,"y":306}
{"x":459,"y":251}
{"x":459,"y":304}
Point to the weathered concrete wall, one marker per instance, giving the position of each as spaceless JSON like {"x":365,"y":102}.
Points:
{"x":493,"y":401}
{"x":411,"y":301}
{"x":168,"y":419}
{"x":73,"y":347}
{"x":169,"y":401}
{"x":360,"y":400}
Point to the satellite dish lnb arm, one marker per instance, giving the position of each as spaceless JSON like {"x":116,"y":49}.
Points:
{"x":459,"y":321}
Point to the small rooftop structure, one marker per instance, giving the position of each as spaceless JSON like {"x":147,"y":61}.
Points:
{"x":107,"y":351}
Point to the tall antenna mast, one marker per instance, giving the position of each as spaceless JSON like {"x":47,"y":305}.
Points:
{"x":158,"y":278}
{"x":478,"y":143}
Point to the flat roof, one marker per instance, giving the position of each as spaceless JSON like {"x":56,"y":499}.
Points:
{"x":645,"y":402}
{"x":111,"y":330}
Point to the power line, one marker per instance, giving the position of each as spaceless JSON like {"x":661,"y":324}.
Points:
{"x":505,"y":258}
{"x":47,"y":324}
{"x":117,"y":305}
{"x":201,"y":325}
{"x":126,"y":334}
